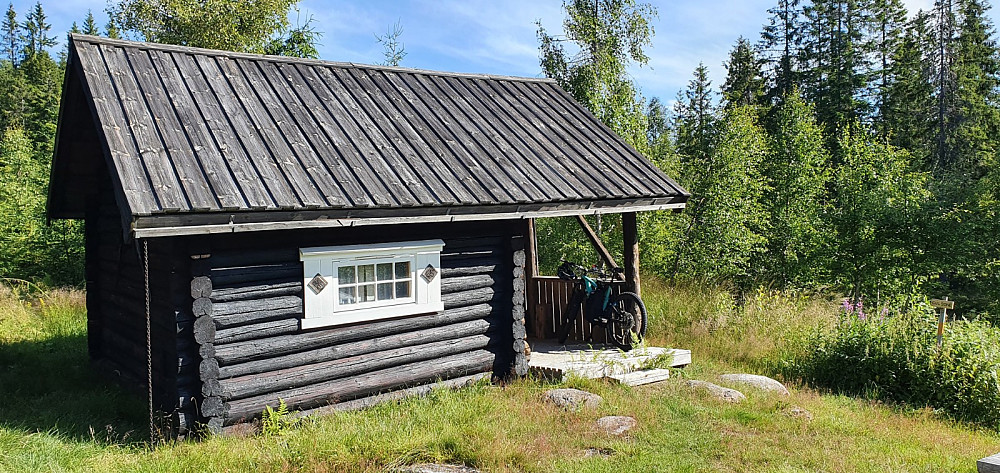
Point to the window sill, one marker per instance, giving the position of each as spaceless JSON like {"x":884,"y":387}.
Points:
{"x":372,"y":314}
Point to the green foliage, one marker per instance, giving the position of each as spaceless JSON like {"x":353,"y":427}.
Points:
{"x":30,"y":249}
{"x":726,"y":221}
{"x":896,"y":358}
{"x":275,"y":422}
{"x":797,"y":170}
{"x":233,"y":25}
{"x":744,"y":83}
{"x":36,"y":37}
{"x":606,"y":37}
{"x":393,"y":48}
{"x":878,"y":201}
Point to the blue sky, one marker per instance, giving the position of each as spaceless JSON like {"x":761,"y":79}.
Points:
{"x":498,"y":37}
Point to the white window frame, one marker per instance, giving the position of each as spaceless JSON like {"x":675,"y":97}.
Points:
{"x":323,"y":309}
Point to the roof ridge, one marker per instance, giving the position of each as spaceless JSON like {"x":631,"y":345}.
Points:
{"x":294,"y":60}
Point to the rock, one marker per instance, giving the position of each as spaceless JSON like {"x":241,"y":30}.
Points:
{"x":436,"y":468}
{"x":719,"y":392}
{"x":798,"y":412}
{"x":757,"y":381}
{"x":572,"y":399}
{"x":598,"y":452}
{"x":616,"y":425}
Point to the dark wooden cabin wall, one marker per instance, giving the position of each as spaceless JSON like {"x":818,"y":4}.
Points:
{"x":248,"y":303}
{"x":116,"y":306}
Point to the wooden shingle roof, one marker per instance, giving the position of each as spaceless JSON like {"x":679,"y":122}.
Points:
{"x":213,"y":139}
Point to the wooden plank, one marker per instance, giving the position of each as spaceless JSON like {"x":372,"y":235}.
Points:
{"x":395,"y":180}
{"x":174,"y":151}
{"x":519,"y":185}
{"x":165,"y":185}
{"x":596,"y":241}
{"x":361,"y":112}
{"x":630,"y":233}
{"x":196,"y":160}
{"x":120,"y":149}
{"x":516,"y":155}
{"x":275,"y":144}
{"x":333,"y":188}
{"x":942,"y":304}
{"x":588,"y":151}
{"x":420,"y":122}
{"x":485,"y":185}
{"x":315,"y":98}
{"x":644,"y":170}
{"x":563,"y":165}
{"x":238,"y":142}
{"x":990,"y":464}
{"x":353,"y":179}
{"x":234,"y":183}
{"x":510,"y":131}
{"x":397,"y":128}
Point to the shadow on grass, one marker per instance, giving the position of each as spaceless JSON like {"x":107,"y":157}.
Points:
{"x":49,"y":386}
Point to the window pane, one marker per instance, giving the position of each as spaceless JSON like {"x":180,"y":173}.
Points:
{"x":384,"y":291}
{"x":403,"y":270}
{"x":347,"y":295}
{"x":366,"y":273}
{"x":366,"y":293}
{"x":403,"y":289}
{"x":345,"y":274}
{"x":384,"y":272}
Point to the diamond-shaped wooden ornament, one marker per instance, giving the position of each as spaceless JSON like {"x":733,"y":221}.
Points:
{"x":429,"y":273}
{"x":318,"y":283}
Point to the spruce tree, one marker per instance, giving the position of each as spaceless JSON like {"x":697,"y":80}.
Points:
{"x":780,"y":40}
{"x":90,"y":25}
{"x":885,"y":40}
{"x":36,"y":32}
{"x":977,"y":77}
{"x":908,"y":109}
{"x":11,"y":36}
{"x":835,"y":62}
{"x":744,"y":84}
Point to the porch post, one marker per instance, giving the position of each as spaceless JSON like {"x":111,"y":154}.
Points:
{"x":630,"y":232}
{"x":537,"y":320}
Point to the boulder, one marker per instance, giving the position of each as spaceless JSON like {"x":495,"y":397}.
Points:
{"x":572,"y":399}
{"x":719,"y":392}
{"x":798,"y":413}
{"x":616,"y":425}
{"x":760,"y":382}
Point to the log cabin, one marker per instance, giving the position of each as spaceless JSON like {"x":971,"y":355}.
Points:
{"x":265,"y":228}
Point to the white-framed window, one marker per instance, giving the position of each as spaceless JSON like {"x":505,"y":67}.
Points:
{"x":354,"y":283}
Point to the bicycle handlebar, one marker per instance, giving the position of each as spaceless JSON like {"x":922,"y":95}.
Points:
{"x":579,"y":269}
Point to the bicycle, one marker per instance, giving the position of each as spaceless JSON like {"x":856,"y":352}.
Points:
{"x":623,"y":315}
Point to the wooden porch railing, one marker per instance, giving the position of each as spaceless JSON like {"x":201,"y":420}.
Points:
{"x":547,"y":300}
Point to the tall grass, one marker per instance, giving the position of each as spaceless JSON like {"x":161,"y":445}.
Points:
{"x":748,"y":334}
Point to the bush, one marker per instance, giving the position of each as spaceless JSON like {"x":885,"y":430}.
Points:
{"x":897,"y":359}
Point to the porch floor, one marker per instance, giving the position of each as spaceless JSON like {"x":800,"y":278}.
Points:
{"x":550,"y":360}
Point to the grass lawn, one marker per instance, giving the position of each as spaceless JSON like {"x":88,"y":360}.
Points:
{"x":57,"y":416}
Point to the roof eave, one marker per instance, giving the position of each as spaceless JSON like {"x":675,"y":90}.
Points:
{"x":201,"y":224}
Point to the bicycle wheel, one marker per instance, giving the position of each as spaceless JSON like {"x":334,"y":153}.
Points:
{"x":626,"y":320}
{"x":572,"y":310}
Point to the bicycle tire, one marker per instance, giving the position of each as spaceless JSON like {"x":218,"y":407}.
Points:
{"x":633,"y":310}
{"x":572,"y":311}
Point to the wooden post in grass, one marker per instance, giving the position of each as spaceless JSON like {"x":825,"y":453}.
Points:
{"x":944,"y":305}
